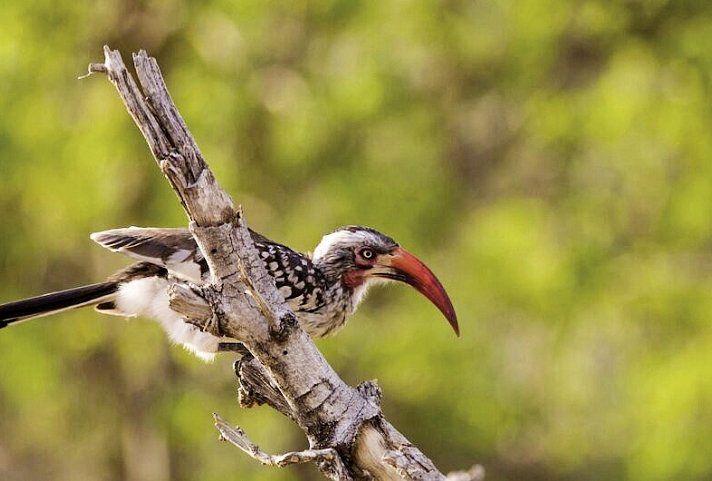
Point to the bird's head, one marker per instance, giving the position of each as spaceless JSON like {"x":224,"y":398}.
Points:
{"x":357,"y":255}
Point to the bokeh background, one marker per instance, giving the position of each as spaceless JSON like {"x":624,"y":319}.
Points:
{"x":551,"y":160}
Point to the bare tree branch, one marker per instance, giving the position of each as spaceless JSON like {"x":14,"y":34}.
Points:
{"x":237,"y":436}
{"x":348,"y":435}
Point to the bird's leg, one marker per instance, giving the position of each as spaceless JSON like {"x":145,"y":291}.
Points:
{"x":209,"y":324}
{"x":237,"y":347}
{"x":212,"y":325}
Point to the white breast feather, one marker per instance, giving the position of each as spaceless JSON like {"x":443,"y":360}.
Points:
{"x":148,"y":297}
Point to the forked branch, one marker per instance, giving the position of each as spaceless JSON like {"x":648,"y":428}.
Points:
{"x":348,"y":435}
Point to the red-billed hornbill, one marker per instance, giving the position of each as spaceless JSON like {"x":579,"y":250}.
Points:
{"x":323,"y":289}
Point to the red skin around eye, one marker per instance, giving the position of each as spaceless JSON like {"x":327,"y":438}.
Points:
{"x":362,"y":262}
{"x":354,"y":278}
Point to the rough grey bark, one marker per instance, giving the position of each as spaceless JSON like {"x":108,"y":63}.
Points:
{"x":348,"y":435}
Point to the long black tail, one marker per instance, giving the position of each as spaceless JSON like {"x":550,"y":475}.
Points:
{"x":54,"y":302}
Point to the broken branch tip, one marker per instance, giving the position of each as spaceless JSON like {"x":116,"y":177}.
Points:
{"x":92,"y":69}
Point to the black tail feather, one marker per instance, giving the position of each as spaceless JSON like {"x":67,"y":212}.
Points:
{"x":55,"y":302}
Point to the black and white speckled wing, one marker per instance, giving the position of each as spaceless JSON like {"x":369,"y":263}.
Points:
{"x":299,"y":282}
{"x":174,"y":249}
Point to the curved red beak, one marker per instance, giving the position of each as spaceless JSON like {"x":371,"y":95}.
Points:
{"x":401,"y":265}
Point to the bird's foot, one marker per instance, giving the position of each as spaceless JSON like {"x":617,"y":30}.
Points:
{"x":237,"y":347}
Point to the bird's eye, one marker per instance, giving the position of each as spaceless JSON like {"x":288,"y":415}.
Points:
{"x":368,"y":254}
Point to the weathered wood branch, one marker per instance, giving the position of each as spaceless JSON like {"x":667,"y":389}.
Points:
{"x":237,"y":436}
{"x":348,"y":435}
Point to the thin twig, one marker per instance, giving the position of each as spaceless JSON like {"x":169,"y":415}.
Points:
{"x":236,"y":436}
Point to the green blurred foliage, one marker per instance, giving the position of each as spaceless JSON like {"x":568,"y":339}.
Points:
{"x":550,"y":160}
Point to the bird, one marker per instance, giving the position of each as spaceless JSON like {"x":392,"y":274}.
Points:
{"x":323,"y":288}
